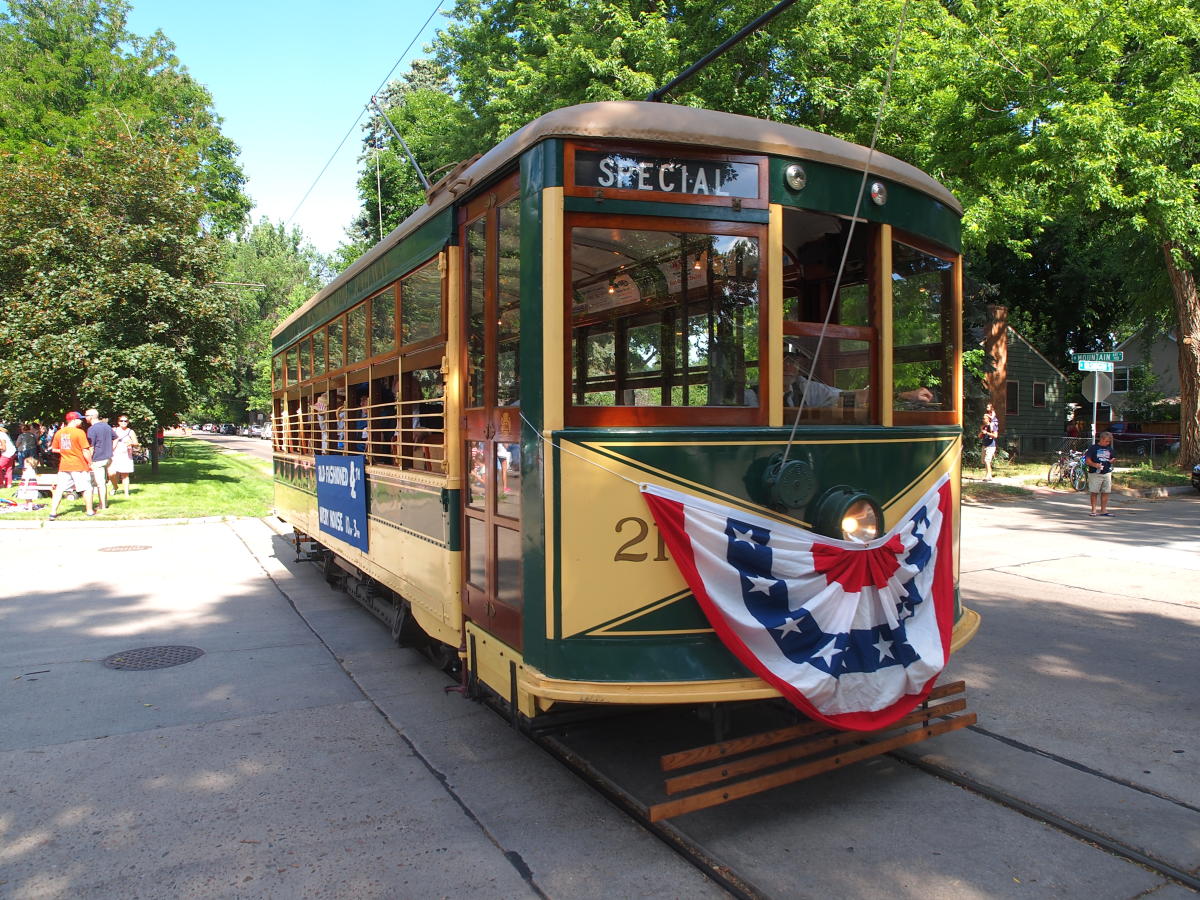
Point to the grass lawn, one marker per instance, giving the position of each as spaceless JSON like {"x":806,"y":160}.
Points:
{"x":197,"y":480}
{"x":991,"y":492}
{"x":1146,"y":476}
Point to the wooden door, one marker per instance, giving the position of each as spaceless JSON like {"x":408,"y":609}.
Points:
{"x":493,"y":594}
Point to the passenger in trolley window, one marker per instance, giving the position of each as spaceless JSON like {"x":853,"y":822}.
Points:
{"x":321,"y":408}
{"x":821,"y":395}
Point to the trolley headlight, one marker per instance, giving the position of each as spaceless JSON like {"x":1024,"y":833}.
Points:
{"x":848,"y":514}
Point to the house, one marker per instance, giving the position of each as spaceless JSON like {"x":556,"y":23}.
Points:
{"x":1028,"y":391}
{"x":1147,"y":345}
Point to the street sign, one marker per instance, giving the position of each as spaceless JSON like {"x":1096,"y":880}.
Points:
{"x":1097,"y":386}
{"x":1094,"y":365}
{"x":1109,"y":356}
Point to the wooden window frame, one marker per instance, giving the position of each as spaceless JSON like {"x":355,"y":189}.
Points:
{"x":655,"y":416}
{"x":931,"y":417}
{"x":1036,"y":385}
{"x":444,"y":287}
{"x":1012,"y":397}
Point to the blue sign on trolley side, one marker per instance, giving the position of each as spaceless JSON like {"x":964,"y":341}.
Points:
{"x":342,"y":498}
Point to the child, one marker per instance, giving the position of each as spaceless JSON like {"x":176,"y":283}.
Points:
{"x":27,"y":490}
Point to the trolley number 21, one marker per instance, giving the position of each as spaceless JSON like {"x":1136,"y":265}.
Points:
{"x":639,"y":531}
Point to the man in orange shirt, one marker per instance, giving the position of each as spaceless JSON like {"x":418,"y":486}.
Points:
{"x":74,"y":463}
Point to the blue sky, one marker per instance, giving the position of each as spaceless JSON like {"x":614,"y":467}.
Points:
{"x":289,"y":77}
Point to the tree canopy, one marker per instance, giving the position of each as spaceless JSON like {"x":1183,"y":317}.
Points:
{"x":118,"y":185}
{"x":1067,"y":128}
{"x":104,"y":277}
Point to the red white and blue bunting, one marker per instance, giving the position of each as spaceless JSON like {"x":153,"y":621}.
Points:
{"x":852,"y":634}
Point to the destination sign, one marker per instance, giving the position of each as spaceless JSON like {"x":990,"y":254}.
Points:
{"x":342,"y":498}
{"x":666,"y":174}
{"x":1109,"y":356}
{"x":1095,"y":365}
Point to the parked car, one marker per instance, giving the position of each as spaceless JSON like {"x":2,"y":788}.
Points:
{"x":1130,"y":439}
{"x":254,"y":431}
{"x":265,"y":434}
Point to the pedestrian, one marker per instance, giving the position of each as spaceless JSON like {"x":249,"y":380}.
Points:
{"x":125,"y":444}
{"x":989,"y":432}
{"x":100,"y":436}
{"x":74,"y":463}
{"x":8,"y":457}
{"x":27,"y":447}
{"x":1099,"y":458}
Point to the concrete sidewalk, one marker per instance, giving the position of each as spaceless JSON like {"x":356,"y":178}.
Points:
{"x":302,"y":755}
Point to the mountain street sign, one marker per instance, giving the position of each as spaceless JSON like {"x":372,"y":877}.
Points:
{"x":1095,"y":365}
{"x":1109,"y":356}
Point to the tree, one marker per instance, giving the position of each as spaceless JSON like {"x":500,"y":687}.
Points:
{"x":271,"y":271}
{"x":1065,"y":128}
{"x":104,"y":276}
{"x":70,"y":67}
{"x":432,"y":123}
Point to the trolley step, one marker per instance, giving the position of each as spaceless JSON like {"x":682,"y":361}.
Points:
{"x":821,"y":748}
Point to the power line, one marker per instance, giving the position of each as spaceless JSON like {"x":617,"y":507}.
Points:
{"x":358,"y":118}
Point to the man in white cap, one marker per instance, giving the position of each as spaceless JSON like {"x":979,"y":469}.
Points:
{"x":100,"y":436}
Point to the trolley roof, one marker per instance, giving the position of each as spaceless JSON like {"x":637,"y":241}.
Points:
{"x":640,"y":121}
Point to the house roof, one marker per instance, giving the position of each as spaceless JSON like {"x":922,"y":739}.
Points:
{"x":1036,"y":352}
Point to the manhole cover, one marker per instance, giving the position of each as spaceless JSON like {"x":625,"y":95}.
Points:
{"x":153,"y":657}
{"x":124,"y":548}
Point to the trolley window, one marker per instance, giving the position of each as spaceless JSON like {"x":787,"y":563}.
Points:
{"x":337,"y":356}
{"x":318,"y":352}
{"x":923,"y":302}
{"x":305,"y":367}
{"x":356,"y":334}
{"x":421,"y":305}
{"x":664,"y":323}
{"x":383,"y":321}
{"x":277,"y":371}
{"x":832,"y":376}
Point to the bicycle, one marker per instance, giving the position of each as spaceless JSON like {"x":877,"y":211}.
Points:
{"x":1063,"y":466}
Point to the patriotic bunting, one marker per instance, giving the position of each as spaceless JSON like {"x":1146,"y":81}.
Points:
{"x":852,"y":634}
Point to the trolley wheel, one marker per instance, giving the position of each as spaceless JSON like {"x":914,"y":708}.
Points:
{"x":443,"y":656}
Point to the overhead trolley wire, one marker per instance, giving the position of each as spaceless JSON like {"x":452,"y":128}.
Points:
{"x":358,"y":118}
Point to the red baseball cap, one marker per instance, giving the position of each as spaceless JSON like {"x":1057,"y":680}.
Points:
{"x":72,"y":416}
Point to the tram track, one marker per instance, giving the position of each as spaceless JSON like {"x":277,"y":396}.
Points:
{"x":687,"y":849}
{"x":1054,"y":820}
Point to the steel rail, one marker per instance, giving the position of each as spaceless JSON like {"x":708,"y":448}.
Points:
{"x":1060,"y":823}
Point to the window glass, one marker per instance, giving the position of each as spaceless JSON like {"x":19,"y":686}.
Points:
{"x":422,"y":419}
{"x":508,"y":306}
{"x":663,"y":318}
{"x":305,"y":367}
{"x":318,"y":352}
{"x":838,"y":384}
{"x":922,"y":304}
{"x":383,"y":322}
{"x":421,"y":310}
{"x":277,"y":370}
{"x":356,"y":334}
{"x":293,"y":370}
{"x":476,"y":335}
{"x":336,"y":360}
{"x":1039,"y":394}
{"x":1120,"y":380}
{"x":1012,"y":398}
